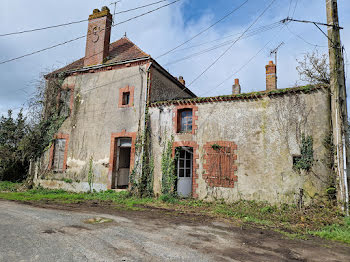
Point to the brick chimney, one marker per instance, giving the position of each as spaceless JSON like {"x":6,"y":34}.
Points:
{"x":98,"y":36}
{"x":271,"y":76}
{"x":236,"y":88}
{"x":182,"y":80}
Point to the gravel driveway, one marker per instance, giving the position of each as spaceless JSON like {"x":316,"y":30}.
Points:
{"x":30,"y":233}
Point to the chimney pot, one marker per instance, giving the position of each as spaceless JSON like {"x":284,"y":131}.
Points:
{"x":236,"y":88}
{"x":98,"y":36}
{"x":271,"y":76}
{"x":181,"y":80}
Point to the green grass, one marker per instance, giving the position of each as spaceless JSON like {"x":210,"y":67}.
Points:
{"x":10,"y":186}
{"x":323,"y":220}
{"x":340,"y":232}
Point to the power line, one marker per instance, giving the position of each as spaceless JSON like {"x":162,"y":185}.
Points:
{"x":295,"y":7}
{"x":260,"y":29}
{"x":83,"y":36}
{"x":206,"y":29}
{"x":75,"y":22}
{"x":303,"y":39}
{"x":216,"y":47}
{"x":216,"y":60}
{"x":242,"y":67}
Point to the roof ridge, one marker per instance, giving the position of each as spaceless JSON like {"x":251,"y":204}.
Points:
{"x":127,"y":38}
{"x":254,"y":94}
{"x":119,"y":50}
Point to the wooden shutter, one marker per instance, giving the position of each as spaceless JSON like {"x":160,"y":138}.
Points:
{"x":58,"y":157}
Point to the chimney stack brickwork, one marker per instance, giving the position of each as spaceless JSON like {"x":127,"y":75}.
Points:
{"x":271,"y":76}
{"x":236,"y":88}
{"x":98,"y":37}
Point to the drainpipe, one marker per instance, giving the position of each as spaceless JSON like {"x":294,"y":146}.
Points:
{"x":345,"y":180}
{"x":147,"y":93}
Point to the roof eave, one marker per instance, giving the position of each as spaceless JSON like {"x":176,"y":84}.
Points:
{"x":87,"y":68}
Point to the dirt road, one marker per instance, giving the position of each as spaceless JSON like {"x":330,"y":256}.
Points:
{"x":30,"y":233}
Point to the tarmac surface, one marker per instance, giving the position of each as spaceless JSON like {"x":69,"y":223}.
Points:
{"x":49,"y":233}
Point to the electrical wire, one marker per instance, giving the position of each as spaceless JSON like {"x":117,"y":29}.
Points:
{"x":216,"y":60}
{"x":242,"y":67}
{"x":83,"y":36}
{"x":206,"y":29}
{"x":265,"y":28}
{"x":74,"y":22}
{"x":295,"y":7}
{"x":216,"y":47}
{"x":303,"y":39}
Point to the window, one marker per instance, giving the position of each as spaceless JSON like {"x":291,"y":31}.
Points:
{"x":184,"y":162}
{"x":185,"y":121}
{"x":126,"y":98}
{"x":58,"y":154}
{"x":64,"y":103}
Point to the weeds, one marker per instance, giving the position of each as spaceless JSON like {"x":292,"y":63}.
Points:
{"x":321,"y":220}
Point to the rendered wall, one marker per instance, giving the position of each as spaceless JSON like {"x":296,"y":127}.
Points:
{"x":95,"y":116}
{"x":163,"y":89}
{"x":267,"y":132}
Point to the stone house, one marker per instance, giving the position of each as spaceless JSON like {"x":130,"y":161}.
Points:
{"x":240,"y":146}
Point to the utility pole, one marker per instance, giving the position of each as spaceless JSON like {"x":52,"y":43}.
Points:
{"x":338,"y":104}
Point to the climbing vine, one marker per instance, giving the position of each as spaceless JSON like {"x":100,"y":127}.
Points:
{"x":306,"y":158}
{"x":91,"y":175}
{"x":141,"y":177}
{"x":168,"y":168}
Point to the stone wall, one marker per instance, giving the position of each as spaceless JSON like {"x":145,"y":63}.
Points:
{"x":264,"y":134}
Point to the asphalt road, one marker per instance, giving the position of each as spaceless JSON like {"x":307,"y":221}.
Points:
{"x":29,"y":233}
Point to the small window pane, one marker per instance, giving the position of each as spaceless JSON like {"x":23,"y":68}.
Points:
{"x":188,"y":172}
{"x":181,"y":173}
{"x":188,"y":163}
{"x":182,"y":163}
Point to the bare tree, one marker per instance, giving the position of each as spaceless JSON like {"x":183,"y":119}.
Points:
{"x":314,"y":68}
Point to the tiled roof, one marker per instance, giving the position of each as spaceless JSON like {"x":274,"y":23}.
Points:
{"x":119,"y":51}
{"x":252,"y":95}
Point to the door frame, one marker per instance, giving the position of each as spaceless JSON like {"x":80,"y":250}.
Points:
{"x":195,"y":165}
{"x":114,"y":137}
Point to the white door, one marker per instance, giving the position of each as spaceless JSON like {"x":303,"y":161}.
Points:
{"x":184,"y":172}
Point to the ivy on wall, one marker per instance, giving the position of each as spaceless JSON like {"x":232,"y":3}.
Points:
{"x":141,"y":177}
{"x":304,"y":162}
{"x":168,"y":169}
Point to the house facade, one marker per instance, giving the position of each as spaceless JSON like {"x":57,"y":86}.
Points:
{"x":240,"y":146}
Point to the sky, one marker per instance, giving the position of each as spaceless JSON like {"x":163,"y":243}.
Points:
{"x":159,"y":32}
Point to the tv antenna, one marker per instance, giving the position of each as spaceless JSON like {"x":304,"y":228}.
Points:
{"x":115,"y":7}
{"x":274,"y":51}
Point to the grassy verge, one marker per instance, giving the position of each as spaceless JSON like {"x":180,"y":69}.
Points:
{"x":321,"y":220}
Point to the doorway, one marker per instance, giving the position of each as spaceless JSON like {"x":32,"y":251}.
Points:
{"x":184,"y":169}
{"x":121,"y":163}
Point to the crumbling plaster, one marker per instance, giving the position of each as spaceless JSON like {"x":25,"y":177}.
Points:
{"x":267,"y":132}
{"x":94,"y":118}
